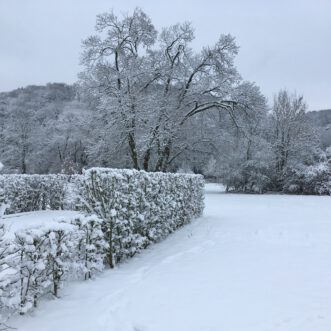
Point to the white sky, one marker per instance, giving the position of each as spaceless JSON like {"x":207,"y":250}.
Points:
{"x":283,"y":44}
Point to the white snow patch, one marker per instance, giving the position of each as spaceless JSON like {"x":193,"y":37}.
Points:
{"x":21,"y":221}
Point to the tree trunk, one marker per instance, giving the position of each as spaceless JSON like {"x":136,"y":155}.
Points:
{"x":23,"y":164}
{"x":162,"y":161}
{"x":166,"y":157}
{"x":133,"y":150}
{"x":110,"y":248}
{"x":146,"y":159}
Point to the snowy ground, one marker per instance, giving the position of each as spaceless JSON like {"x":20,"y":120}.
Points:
{"x":253,"y":263}
{"x":17,"y":222}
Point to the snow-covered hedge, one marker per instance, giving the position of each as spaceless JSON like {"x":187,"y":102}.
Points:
{"x":128,"y":211}
{"x":35,"y":261}
{"x":25,"y":193}
{"x":140,"y":208}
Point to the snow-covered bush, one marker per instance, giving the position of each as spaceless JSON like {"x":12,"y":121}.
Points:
{"x":313,"y":179}
{"x":251,"y":177}
{"x":5,"y":251}
{"x":61,"y":253}
{"x":32,"y":272}
{"x":36,"y":261}
{"x":91,"y":245}
{"x":139,"y":208}
{"x":23,"y":193}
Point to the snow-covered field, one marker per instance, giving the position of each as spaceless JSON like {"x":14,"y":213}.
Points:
{"x":253,"y":263}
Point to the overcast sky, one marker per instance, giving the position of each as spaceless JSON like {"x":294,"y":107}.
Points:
{"x":283,"y":43}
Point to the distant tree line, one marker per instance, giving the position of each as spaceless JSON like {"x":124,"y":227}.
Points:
{"x":146,"y":100}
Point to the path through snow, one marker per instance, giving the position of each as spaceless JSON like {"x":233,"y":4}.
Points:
{"x":252,"y":263}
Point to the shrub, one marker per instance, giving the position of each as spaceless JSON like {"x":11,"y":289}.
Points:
{"x":251,"y":177}
{"x":37,"y":260}
{"x":139,"y":208}
{"x":314,"y":179}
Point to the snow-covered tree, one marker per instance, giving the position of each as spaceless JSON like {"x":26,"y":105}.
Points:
{"x":116,"y":69}
{"x":149,"y":88}
{"x":293,"y":138}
